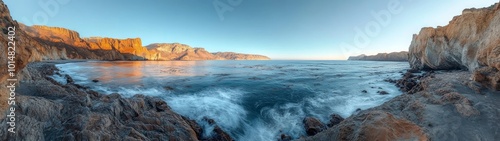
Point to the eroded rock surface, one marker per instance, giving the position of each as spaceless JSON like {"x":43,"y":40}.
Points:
{"x":445,"y":105}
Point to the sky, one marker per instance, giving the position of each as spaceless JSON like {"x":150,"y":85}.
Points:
{"x":280,"y":29}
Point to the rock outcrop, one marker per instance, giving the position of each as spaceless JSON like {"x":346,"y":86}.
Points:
{"x":470,"y":41}
{"x":444,"y":106}
{"x":49,"y":110}
{"x":393,"y":56}
{"x":240,"y":56}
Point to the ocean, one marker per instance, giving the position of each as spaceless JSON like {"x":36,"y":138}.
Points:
{"x":251,"y":100}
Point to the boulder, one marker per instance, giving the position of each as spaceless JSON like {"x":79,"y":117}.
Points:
{"x":313,"y":126}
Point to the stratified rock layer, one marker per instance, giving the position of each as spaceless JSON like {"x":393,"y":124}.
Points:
{"x":393,"y":56}
{"x":102,"y":48}
{"x":469,"y":41}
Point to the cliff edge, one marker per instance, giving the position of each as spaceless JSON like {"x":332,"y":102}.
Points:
{"x":470,"y":41}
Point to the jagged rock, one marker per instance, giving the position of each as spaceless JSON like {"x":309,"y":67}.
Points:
{"x":334,"y":120}
{"x":469,"y":41}
{"x":373,"y":125}
{"x":48,"y":110}
{"x":219,"y":134}
{"x":313,"y":126}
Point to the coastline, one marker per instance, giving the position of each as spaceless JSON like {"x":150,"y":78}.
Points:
{"x":49,"y":110}
{"x":442,"y":105}
{"x":425,"y":111}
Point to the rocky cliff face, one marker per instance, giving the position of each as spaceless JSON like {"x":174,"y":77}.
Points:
{"x":176,"y":51}
{"x":393,"y":56}
{"x":102,"y":48}
{"x":470,"y":41}
{"x":240,"y":56}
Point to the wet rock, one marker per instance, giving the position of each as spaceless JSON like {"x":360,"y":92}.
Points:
{"x":168,"y":88}
{"x":364,"y":91}
{"x":95,"y":80}
{"x":48,"y":111}
{"x":284,"y":137}
{"x":219,"y":134}
{"x":382,"y":92}
{"x":334,"y":120}
{"x":313,"y":126}
{"x":69,"y":80}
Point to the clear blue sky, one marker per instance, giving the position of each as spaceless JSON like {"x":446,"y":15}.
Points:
{"x":280,"y":29}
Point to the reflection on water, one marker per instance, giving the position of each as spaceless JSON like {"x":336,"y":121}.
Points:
{"x":252,"y":100}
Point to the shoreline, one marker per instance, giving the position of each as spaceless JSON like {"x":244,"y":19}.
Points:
{"x":441,"y":105}
{"x":49,"y":110}
{"x":432,"y":92}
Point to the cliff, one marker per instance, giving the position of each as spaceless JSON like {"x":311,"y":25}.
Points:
{"x":393,"y":56}
{"x":470,"y":41}
{"x":176,"y":51}
{"x":240,"y":56}
{"x":48,"y":110}
{"x":103,"y":48}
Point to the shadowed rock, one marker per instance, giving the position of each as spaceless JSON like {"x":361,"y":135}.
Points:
{"x":313,"y":126}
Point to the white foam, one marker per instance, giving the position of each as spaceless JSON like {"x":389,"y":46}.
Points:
{"x":219,"y":104}
{"x":59,"y":79}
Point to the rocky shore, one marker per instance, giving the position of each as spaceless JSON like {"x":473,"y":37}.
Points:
{"x":442,"y":105}
{"x":455,"y":99}
{"x":48,"y":110}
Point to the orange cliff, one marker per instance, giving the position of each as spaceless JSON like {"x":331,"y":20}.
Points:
{"x":470,"y":41}
{"x":103,"y":48}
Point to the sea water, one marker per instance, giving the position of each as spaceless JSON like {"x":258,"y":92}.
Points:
{"x":251,"y":100}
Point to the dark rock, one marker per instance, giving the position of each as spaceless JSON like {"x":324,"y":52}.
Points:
{"x":95,"y":80}
{"x":69,"y":80}
{"x":382,"y":92}
{"x":168,"y":88}
{"x":285,"y":137}
{"x":334,"y":120}
{"x":364,"y":91}
{"x":313,"y":126}
{"x":219,"y":134}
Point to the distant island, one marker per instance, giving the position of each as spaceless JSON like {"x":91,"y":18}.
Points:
{"x":393,"y":56}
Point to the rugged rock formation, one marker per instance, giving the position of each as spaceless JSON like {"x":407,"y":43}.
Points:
{"x":240,"y":56}
{"x":393,"y":56}
{"x":176,"y":51}
{"x":131,"y":48}
{"x":119,"y":49}
{"x":470,"y":41}
{"x":313,"y":126}
{"x":48,"y":110}
{"x":445,"y":106}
